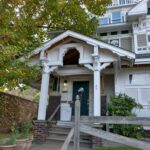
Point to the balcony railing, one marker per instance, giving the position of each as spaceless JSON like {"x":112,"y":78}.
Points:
{"x":123,"y":2}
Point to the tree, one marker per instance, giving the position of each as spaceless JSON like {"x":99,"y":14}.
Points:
{"x":22,"y":29}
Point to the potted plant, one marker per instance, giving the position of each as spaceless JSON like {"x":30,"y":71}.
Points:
{"x":23,"y":137}
{"x":8,"y":144}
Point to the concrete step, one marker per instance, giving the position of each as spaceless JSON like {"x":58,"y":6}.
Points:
{"x":65,"y":133}
{"x":83,"y":143}
{"x":54,"y":145}
{"x":58,"y":134}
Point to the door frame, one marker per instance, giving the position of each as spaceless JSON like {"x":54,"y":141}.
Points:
{"x":84,"y":84}
{"x":84,"y":78}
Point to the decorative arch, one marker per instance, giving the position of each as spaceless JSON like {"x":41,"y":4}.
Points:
{"x":66,"y":47}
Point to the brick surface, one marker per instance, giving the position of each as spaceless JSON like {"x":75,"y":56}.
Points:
{"x":40,"y":131}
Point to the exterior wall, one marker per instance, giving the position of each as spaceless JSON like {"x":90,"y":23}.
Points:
{"x":139,"y":90}
{"x":136,"y":20}
{"x":109,"y":86}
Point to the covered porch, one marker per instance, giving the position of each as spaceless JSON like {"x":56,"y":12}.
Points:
{"x":73,"y":63}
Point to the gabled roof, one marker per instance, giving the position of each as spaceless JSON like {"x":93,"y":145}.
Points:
{"x":139,"y":9}
{"x":91,"y":41}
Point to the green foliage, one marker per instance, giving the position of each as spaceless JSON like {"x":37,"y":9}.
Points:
{"x":21,"y":31}
{"x":16,"y":110}
{"x":25,"y":129}
{"x":8,"y":141}
{"x":122,"y":105}
{"x":22,"y":131}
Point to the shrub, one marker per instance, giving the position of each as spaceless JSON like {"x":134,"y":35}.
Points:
{"x":122,"y":105}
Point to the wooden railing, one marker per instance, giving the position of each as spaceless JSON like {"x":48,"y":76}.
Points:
{"x":53,"y":114}
{"x":68,"y":139}
{"x":83,"y":124}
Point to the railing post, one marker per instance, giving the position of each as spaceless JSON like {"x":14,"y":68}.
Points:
{"x":77,"y":124}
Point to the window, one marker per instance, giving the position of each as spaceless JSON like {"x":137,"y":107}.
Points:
{"x":104,"y":21}
{"x":103,"y":34}
{"x":139,"y":79}
{"x":124,"y":31}
{"x":114,"y":33}
{"x":115,"y":42}
{"x":116,"y":17}
{"x":122,"y":2}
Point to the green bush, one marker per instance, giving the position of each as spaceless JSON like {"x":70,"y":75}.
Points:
{"x":122,"y":105}
{"x":22,"y":131}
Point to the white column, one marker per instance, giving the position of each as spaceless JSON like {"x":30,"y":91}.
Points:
{"x":96,"y":68}
{"x":44,"y":90}
{"x":97,"y":93}
{"x":43,"y":96}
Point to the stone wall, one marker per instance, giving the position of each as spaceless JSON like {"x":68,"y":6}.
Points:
{"x":15,"y":110}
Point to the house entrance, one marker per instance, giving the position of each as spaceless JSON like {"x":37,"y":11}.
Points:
{"x":84,"y":98}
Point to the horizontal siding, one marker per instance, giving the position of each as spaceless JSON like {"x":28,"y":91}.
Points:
{"x":126,"y":43}
{"x":141,"y":40}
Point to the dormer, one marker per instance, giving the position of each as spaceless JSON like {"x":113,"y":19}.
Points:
{"x":138,"y":10}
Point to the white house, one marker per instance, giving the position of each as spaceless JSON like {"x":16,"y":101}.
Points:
{"x":126,"y":24}
{"x":118,"y":63}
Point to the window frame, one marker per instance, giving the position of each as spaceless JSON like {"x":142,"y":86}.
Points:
{"x":103,"y":24}
{"x":115,"y":21}
{"x":118,"y":39}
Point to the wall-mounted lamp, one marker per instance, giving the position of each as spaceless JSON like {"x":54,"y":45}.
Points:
{"x":65,"y":86}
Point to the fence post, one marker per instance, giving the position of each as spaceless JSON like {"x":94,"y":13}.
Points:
{"x":77,"y":124}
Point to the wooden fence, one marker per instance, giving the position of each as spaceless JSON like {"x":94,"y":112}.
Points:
{"x":84,"y":124}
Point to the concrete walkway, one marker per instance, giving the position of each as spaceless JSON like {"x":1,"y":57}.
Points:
{"x":52,"y":145}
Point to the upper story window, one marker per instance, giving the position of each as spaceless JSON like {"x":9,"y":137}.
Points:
{"x":114,"y":33}
{"x":116,"y":17}
{"x":104,"y":21}
{"x":125,"y":32}
{"x":103,"y":34}
{"x":115,"y":42}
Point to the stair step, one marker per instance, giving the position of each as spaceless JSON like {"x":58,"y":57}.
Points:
{"x":66,"y":133}
{"x":58,"y":134}
{"x":55,"y":136}
{"x":83,"y":143}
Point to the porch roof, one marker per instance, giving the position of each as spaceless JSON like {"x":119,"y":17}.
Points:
{"x":89,"y":40}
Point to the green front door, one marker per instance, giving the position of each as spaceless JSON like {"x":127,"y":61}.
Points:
{"x":85,"y":96}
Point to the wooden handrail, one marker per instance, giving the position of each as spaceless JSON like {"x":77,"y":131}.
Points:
{"x":53,"y":114}
{"x":68,"y":139}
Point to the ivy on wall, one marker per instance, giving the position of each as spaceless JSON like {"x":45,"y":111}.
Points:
{"x":16,"y":110}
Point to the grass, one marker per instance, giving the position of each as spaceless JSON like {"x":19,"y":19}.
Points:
{"x":117,"y":148}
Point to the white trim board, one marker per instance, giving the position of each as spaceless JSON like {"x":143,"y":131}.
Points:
{"x":88,"y":40}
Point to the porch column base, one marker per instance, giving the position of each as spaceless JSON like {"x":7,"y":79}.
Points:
{"x":40,"y":131}
{"x":96,"y":142}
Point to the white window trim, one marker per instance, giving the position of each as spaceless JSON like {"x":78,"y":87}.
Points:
{"x":104,"y":18}
{"x":120,"y":17}
{"x":137,"y":85}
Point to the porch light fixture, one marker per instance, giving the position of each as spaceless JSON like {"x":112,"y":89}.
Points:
{"x":65,"y":86}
